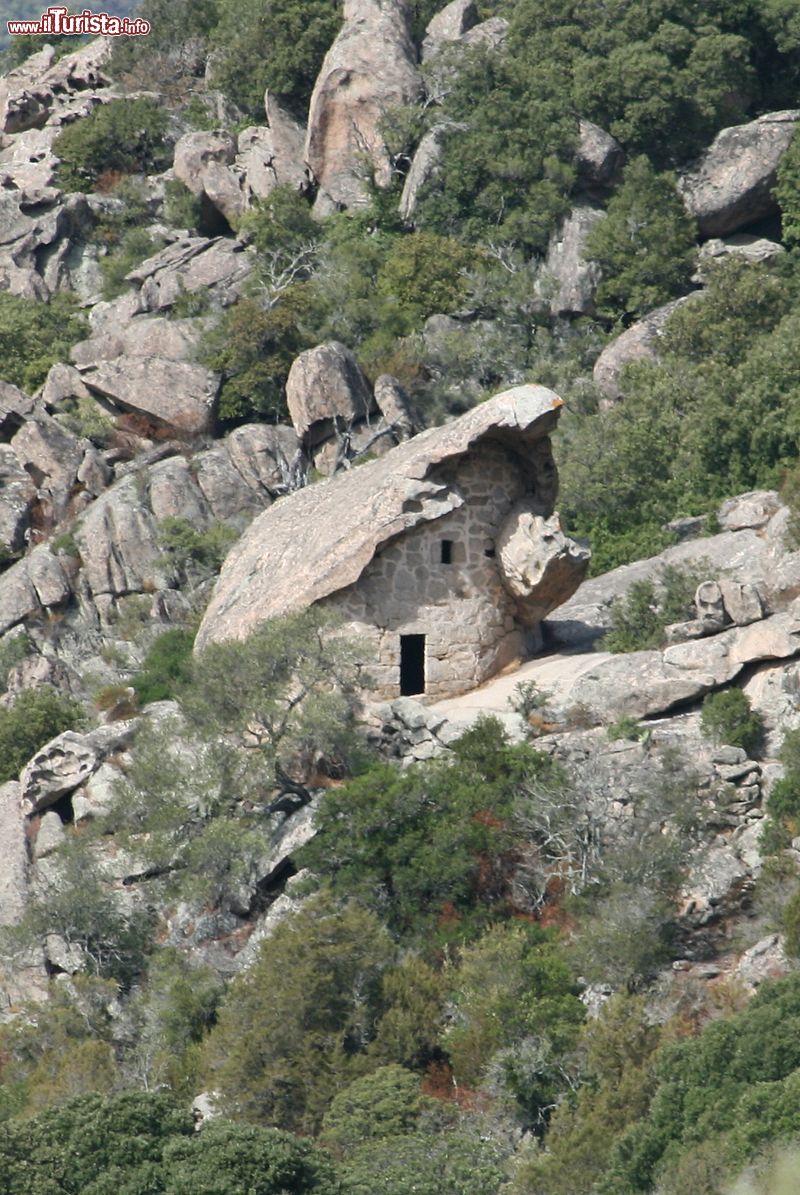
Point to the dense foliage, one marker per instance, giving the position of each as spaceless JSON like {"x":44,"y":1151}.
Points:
{"x":120,"y":137}
{"x":34,"y":336}
{"x":413,"y":1023}
{"x":33,"y":718}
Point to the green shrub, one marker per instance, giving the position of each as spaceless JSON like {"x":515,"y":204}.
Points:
{"x":78,"y":903}
{"x":528,"y":698}
{"x":181,"y":207}
{"x":230,"y":1159}
{"x":787,"y":193}
{"x":727,"y":717}
{"x":123,"y":136}
{"x":65,"y":545}
{"x":739,"y":1076}
{"x":86,"y":418}
{"x":34,"y":336}
{"x":644,"y":246}
{"x":13,"y":648}
{"x":134,"y":247}
{"x":36,"y":716}
{"x":187,"y":547}
{"x":626,"y":727}
{"x":166,"y":667}
{"x":99,"y":1143}
{"x":275,"y":44}
{"x":639,"y":618}
{"x":791,"y":925}
{"x":430,"y":847}
{"x":313,"y":992}
{"x":385,"y":1103}
{"x":783,"y":803}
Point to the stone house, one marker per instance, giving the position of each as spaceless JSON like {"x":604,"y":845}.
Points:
{"x":443,"y":556}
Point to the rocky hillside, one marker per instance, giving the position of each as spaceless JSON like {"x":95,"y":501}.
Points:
{"x":541,"y":938}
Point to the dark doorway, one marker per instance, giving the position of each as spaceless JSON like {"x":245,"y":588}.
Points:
{"x":412,"y":665}
{"x":447,"y":551}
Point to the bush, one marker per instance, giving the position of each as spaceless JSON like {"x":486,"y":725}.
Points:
{"x":253,"y":347}
{"x":738,"y":1077}
{"x":78,"y":903}
{"x":644,"y":246}
{"x":787,"y":193}
{"x":791,"y":925}
{"x":186,"y":547}
{"x":125,"y":136}
{"x":230,"y":1159}
{"x":166,"y":668}
{"x":430,"y":847}
{"x":277,"y":44}
{"x":312,"y":993}
{"x":95,"y":1143}
{"x":13,"y":648}
{"x":182,"y":208}
{"x":626,"y":727}
{"x":728,"y":718}
{"x":638,"y":619}
{"x":36,"y":717}
{"x":34,"y":336}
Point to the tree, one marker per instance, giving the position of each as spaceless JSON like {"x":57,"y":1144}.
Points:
{"x":93,"y":1145}
{"x":386,"y":1103}
{"x":737,"y":1077}
{"x":617,"y":1050}
{"x":424,"y":1164}
{"x":430,"y":847}
{"x":59,"y":1049}
{"x":292,"y":685}
{"x":516,"y":1017}
{"x":295,"y":1027}
{"x":644,"y":246}
{"x":230,"y":1159}
{"x":166,"y":667}
{"x":123,"y":135}
{"x":277,"y":45}
{"x":36,"y":716}
{"x":35,"y":335}
{"x":101,"y":930}
{"x":727,"y":717}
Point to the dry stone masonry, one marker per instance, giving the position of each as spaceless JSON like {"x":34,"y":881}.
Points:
{"x":442,"y":557}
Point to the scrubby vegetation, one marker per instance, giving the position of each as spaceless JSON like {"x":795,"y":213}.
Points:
{"x":122,"y":137}
{"x":467,"y":988}
{"x":33,"y":718}
{"x":34,"y":336}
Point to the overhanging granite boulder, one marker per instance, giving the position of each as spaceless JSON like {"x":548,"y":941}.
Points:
{"x":405,"y":549}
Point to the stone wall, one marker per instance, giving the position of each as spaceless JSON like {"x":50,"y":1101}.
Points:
{"x":470,"y":622}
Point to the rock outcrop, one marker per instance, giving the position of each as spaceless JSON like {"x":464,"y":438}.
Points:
{"x":637,"y":343}
{"x":424,"y":166}
{"x":172,"y":395}
{"x":567,"y":281}
{"x":732,"y":184}
{"x":538,"y":562}
{"x":449,"y":25}
{"x":599,"y":157}
{"x":216,"y":266}
{"x":325,"y":390}
{"x":369,"y":69}
{"x":203,"y":163}
{"x":357,"y":514}
{"x":43,"y":91}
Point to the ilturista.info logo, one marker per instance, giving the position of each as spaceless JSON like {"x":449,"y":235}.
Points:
{"x":58,"y":21}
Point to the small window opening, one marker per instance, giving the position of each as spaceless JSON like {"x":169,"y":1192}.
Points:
{"x":490,"y":552}
{"x":447,"y":551}
{"x":412,"y":665}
